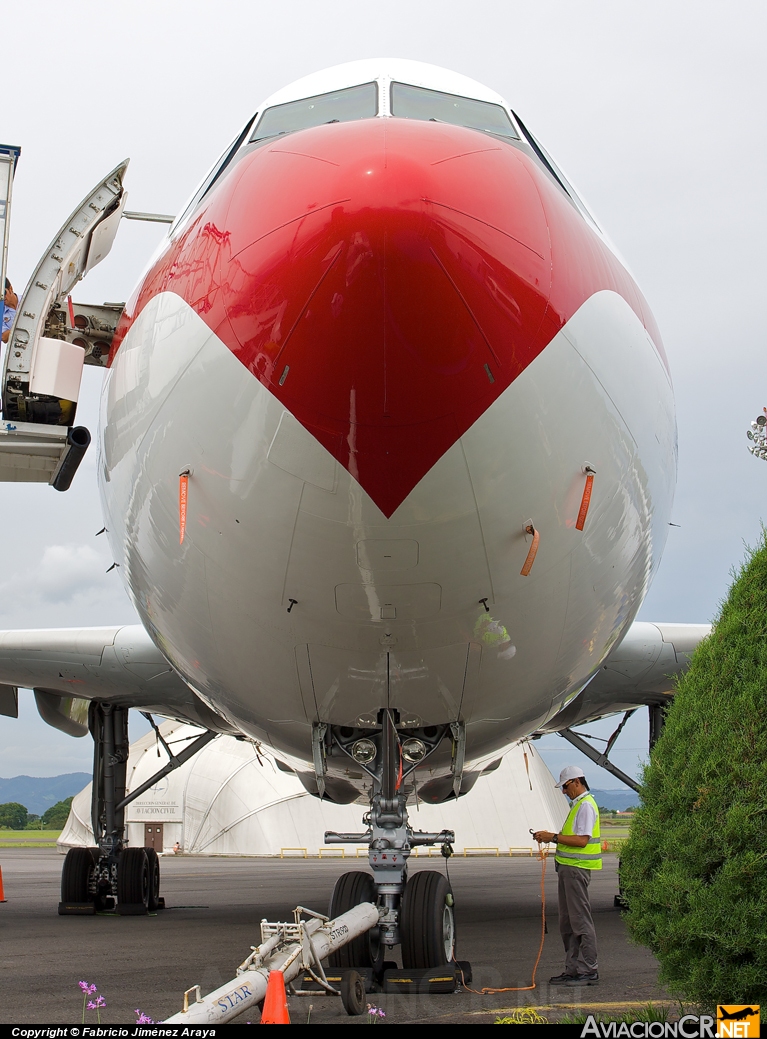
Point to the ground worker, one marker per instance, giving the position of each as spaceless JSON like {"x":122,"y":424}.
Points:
{"x":579,"y":851}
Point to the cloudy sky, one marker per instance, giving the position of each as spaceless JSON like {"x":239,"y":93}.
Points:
{"x":654,"y":110}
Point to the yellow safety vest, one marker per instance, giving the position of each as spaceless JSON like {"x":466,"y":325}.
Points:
{"x":589,"y":857}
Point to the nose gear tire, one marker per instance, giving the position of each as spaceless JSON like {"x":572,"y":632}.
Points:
{"x":427,"y":921}
{"x":364,"y":951}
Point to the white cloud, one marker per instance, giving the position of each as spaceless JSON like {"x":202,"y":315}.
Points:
{"x":66,"y":570}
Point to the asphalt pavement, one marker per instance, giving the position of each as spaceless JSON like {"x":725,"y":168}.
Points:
{"x":215,"y":906}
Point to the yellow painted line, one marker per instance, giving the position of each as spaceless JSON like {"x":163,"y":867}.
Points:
{"x":578,"y":1006}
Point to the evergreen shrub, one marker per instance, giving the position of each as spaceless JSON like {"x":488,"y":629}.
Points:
{"x":694,"y":869}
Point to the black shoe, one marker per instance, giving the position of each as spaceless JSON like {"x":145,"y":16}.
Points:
{"x":583,"y":979}
{"x":562,"y":979}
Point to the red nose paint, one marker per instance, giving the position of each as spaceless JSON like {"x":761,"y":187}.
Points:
{"x":386,"y":280}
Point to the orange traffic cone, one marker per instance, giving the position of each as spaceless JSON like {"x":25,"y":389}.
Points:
{"x":275,"y":1010}
{"x":2,"y":892}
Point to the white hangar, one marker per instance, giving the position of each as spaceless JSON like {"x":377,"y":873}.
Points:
{"x":232,"y":799}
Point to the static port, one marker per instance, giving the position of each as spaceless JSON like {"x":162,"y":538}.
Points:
{"x":364,"y":751}
{"x":413,"y":750}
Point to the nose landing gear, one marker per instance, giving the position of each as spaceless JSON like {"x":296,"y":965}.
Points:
{"x":416,"y":913}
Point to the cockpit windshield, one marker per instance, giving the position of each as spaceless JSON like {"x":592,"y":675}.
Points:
{"x":340,"y":106}
{"x":410,"y":102}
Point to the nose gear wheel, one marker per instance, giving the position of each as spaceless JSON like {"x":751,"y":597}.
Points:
{"x":427,"y":921}
{"x":351,"y":889}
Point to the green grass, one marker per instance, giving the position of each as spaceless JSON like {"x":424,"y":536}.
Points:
{"x":650,"y":1012}
{"x":28,"y":838}
{"x":530,"y":1016}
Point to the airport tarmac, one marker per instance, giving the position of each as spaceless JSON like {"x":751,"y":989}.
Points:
{"x":215,"y":906}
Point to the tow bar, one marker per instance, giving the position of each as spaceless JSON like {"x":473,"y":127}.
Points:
{"x":288,"y":947}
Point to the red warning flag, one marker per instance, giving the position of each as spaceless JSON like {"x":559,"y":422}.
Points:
{"x":532,"y":552}
{"x":183,"y":496}
{"x":585,"y":501}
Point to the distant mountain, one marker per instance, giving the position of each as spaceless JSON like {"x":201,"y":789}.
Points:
{"x":37,"y":794}
{"x":621,"y":799}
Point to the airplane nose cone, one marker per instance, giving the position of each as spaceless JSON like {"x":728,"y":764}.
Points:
{"x":386,"y":279}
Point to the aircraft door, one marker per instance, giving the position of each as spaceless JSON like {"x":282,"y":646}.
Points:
{"x":44,"y":359}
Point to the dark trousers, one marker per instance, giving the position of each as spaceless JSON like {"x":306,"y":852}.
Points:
{"x":575,"y":923}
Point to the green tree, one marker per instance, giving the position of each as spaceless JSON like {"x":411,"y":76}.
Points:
{"x":13,"y":816}
{"x":694,"y":870}
{"x":55,"y":817}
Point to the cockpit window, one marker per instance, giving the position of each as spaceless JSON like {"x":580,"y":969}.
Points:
{"x":411,"y":102}
{"x":340,"y":106}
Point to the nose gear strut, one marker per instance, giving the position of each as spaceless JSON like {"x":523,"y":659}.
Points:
{"x":390,"y":840}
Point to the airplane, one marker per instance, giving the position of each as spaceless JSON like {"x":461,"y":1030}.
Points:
{"x":387,"y":457}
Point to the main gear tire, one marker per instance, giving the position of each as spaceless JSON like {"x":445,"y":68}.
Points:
{"x":365,"y":950}
{"x":77,"y":875}
{"x":153,"y":868}
{"x":427,"y":922}
{"x":133,"y":878}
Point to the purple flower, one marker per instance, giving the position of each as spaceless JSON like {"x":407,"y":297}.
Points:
{"x":142,"y":1018}
{"x":88,"y":990}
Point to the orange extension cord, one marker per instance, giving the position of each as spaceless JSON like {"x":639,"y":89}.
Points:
{"x":543,"y":854}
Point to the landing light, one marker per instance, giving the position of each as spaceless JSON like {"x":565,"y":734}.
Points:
{"x":364,"y":751}
{"x":413,"y":750}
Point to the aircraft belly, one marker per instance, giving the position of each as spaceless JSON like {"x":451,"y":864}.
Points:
{"x":293,"y":598}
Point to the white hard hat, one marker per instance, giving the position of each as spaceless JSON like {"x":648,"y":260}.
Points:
{"x":569,"y":772}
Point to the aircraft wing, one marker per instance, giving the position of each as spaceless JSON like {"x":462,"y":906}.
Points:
{"x":640,"y":671}
{"x":68,"y":667}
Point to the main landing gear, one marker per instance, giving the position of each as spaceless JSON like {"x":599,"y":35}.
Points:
{"x":112,"y":875}
{"x":418,"y":912}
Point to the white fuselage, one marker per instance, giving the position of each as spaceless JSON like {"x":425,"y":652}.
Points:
{"x":294,"y":599}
